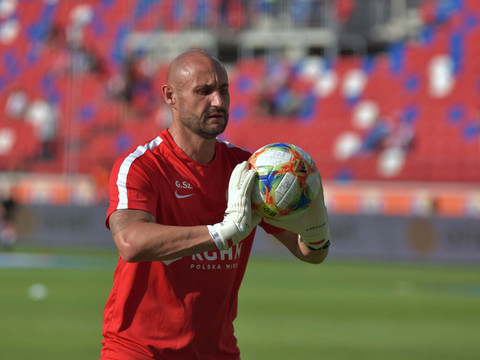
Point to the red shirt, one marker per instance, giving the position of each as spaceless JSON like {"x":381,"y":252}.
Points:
{"x":181,"y":309}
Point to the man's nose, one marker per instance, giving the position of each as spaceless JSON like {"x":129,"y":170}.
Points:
{"x":217,"y":99}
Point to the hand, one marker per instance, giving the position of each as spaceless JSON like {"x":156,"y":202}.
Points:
{"x":239,"y":219}
{"x":311,"y":225}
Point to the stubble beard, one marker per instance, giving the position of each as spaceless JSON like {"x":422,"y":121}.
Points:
{"x":199,"y":124}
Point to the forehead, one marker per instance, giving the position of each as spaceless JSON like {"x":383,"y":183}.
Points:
{"x":204,"y":71}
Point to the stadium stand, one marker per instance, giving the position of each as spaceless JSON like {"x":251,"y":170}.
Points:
{"x":76,"y":57}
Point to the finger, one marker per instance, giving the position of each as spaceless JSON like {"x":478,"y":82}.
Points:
{"x":237,"y":176}
{"x":248,"y":181}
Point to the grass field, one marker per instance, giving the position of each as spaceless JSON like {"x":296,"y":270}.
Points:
{"x":288,"y":310}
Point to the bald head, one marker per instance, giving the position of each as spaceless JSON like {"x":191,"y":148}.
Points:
{"x":185,"y":65}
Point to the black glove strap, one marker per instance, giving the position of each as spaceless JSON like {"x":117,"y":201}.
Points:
{"x":326,"y":246}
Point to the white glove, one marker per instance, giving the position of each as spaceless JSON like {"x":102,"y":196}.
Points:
{"x":311,"y":225}
{"x":239,"y":219}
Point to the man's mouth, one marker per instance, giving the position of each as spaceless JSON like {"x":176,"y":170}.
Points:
{"x":216,"y":115}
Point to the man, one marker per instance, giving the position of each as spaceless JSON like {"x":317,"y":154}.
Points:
{"x":180,"y":267}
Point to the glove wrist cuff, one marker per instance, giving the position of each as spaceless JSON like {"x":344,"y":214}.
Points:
{"x":323,"y":247}
{"x":221,"y":245}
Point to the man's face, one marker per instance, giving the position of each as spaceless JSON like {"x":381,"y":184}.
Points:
{"x":204,"y":100}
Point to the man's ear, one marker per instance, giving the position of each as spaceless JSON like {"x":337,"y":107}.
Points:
{"x":168,"y":95}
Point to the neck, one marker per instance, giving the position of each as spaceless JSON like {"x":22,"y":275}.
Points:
{"x":197,"y":148}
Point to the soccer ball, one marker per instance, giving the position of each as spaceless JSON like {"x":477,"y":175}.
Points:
{"x":288,"y":180}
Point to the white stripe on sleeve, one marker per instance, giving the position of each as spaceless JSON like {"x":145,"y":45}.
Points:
{"x":125,"y":167}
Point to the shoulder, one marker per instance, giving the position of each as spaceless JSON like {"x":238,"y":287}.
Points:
{"x":140,"y":151}
{"x":140,"y":158}
{"x":232,"y":151}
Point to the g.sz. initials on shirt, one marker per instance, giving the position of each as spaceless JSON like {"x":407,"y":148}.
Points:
{"x":183,"y":185}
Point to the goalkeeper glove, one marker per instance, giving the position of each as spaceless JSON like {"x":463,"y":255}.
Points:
{"x":239,"y":219}
{"x":311,"y":225}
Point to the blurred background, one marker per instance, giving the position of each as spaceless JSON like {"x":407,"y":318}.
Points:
{"x":383,"y":94}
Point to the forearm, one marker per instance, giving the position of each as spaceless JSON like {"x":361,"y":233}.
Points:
{"x":293,"y":243}
{"x":145,"y":241}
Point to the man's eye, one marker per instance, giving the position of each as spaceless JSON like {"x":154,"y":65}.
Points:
{"x":204,"y":91}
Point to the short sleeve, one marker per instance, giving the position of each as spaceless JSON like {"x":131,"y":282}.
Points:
{"x":131,"y":188}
